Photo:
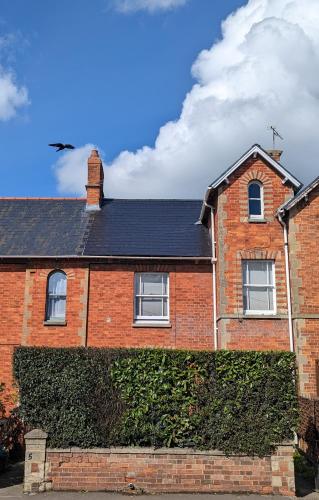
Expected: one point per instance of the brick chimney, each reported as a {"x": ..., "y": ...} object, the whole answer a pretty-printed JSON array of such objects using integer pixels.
[
  {"x": 94, "y": 187},
  {"x": 275, "y": 154}
]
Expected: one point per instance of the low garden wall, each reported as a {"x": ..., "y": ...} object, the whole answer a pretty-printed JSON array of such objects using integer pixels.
[{"x": 154, "y": 470}]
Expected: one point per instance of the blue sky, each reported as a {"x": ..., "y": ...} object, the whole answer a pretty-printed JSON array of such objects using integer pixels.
[
  {"x": 95, "y": 75},
  {"x": 169, "y": 97}
]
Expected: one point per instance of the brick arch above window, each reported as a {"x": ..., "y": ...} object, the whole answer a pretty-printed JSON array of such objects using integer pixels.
[
  {"x": 45, "y": 273},
  {"x": 267, "y": 192},
  {"x": 153, "y": 268},
  {"x": 258, "y": 253}
]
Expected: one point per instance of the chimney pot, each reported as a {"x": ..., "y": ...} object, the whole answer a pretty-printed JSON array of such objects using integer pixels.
[{"x": 94, "y": 187}]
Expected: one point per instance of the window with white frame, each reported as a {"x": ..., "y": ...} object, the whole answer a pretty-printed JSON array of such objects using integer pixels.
[
  {"x": 255, "y": 200},
  {"x": 259, "y": 291},
  {"x": 56, "y": 296},
  {"x": 151, "y": 297}
]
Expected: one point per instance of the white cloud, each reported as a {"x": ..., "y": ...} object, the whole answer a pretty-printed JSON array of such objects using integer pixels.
[
  {"x": 71, "y": 169},
  {"x": 127, "y": 6},
  {"x": 263, "y": 71},
  {"x": 12, "y": 96}
]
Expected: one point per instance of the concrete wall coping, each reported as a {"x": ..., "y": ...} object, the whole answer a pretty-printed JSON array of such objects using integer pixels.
[
  {"x": 150, "y": 451},
  {"x": 36, "y": 434}
]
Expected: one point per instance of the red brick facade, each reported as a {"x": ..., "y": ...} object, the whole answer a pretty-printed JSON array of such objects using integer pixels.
[
  {"x": 100, "y": 310},
  {"x": 304, "y": 269},
  {"x": 100, "y": 293},
  {"x": 238, "y": 239}
]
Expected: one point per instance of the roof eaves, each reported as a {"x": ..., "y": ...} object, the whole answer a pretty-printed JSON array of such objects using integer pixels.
[
  {"x": 128, "y": 257},
  {"x": 299, "y": 196}
]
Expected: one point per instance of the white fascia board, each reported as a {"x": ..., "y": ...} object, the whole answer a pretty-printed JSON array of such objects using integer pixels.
[
  {"x": 253, "y": 150},
  {"x": 267, "y": 157}
]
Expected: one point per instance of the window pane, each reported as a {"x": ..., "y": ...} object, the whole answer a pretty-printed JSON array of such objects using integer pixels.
[
  {"x": 137, "y": 306},
  {"x": 151, "y": 284},
  {"x": 271, "y": 299},
  {"x": 270, "y": 273},
  {"x": 137, "y": 283},
  {"x": 254, "y": 207},
  {"x": 57, "y": 284},
  {"x": 56, "y": 308},
  {"x": 165, "y": 283},
  {"x": 151, "y": 307},
  {"x": 254, "y": 190},
  {"x": 258, "y": 299},
  {"x": 246, "y": 299},
  {"x": 257, "y": 272},
  {"x": 165, "y": 308}
]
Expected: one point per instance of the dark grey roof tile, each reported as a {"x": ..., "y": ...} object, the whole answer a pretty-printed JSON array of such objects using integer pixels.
[{"x": 148, "y": 228}]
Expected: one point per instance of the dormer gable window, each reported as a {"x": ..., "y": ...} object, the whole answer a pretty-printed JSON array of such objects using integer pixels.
[{"x": 255, "y": 200}]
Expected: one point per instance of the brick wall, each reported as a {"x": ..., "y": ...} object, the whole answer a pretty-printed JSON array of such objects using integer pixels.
[
  {"x": 99, "y": 309},
  {"x": 304, "y": 269},
  {"x": 156, "y": 471},
  {"x": 111, "y": 311},
  {"x": 239, "y": 239},
  {"x": 12, "y": 284},
  {"x": 36, "y": 332}
]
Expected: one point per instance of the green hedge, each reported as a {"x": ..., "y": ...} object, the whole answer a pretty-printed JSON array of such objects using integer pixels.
[{"x": 231, "y": 400}]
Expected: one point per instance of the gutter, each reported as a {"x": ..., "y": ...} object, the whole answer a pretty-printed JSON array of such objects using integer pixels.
[
  {"x": 104, "y": 257},
  {"x": 213, "y": 261},
  {"x": 280, "y": 215}
]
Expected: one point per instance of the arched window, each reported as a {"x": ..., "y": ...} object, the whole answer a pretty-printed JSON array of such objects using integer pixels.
[
  {"x": 56, "y": 296},
  {"x": 255, "y": 200}
]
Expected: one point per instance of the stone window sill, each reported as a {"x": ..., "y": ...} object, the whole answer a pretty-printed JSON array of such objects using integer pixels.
[
  {"x": 260, "y": 316},
  {"x": 258, "y": 221},
  {"x": 152, "y": 324},
  {"x": 54, "y": 323}
]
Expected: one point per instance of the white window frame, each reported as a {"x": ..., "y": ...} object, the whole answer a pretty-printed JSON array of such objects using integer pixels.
[
  {"x": 247, "y": 285},
  {"x": 137, "y": 296},
  {"x": 261, "y": 199},
  {"x": 51, "y": 296}
]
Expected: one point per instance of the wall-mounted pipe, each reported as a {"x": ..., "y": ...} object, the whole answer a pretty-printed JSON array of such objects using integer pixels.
[
  {"x": 213, "y": 242},
  {"x": 286, "y": 251}
]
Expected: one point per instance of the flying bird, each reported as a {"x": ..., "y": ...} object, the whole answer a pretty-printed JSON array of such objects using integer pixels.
[{"x": 61, "y": 146}]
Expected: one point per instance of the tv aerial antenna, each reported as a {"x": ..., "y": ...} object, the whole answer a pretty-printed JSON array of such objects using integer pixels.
[{"x": 275, "y": 134}]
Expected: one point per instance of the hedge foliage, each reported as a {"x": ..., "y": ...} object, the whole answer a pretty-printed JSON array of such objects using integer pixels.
[{"x": 230, "y": 400}]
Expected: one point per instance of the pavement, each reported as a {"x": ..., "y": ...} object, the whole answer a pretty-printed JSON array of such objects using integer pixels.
[{"x": 11, "y": 488}]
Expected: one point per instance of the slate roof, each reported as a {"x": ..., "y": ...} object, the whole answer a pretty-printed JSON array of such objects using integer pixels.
[
  {"x": 35, "y": 227},
  {"x": 62, "y": 227},
  {"x": 149, "y": 228}
]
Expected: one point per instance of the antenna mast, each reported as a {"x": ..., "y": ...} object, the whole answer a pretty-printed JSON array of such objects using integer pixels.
[{"x": 275, "y": 134}]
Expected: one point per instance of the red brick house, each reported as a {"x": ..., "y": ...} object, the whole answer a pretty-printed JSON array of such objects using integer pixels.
[{"x": 189, "y": 274}]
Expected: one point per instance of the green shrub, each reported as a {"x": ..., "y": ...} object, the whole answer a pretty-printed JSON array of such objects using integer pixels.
[
  {"x": 11, "y": 432},
  {"x": 231, "y": 400}
]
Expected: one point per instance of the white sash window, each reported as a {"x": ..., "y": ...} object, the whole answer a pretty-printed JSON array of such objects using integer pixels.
[
  {"x": 151, "y": 297},
  {"x": 56, "y": 296},
  {"x": 259, "y": 292}
]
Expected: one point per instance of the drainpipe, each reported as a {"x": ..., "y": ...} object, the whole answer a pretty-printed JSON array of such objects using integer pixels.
[
  {"x": 212, "y": 228},
  {"x": 290, "y": 328}
]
